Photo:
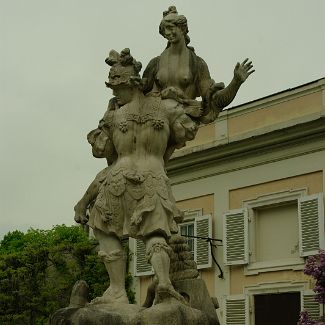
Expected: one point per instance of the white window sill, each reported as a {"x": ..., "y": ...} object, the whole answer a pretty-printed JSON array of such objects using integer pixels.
[{"x": 294, "y": 264}]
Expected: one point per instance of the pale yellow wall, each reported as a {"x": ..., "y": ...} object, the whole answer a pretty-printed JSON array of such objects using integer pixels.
[
  {"x": 207, "y": 203},
  {"x": 254, "y": 119},
  {"x": 312, "y": 181},
  {"x": 314, "y": 184},
  {"x": 144, "y": 284},
  {"x": 274, "y": 114},
  {"x": 205, "y": 134},
  {"x": 238, "y": 280}
]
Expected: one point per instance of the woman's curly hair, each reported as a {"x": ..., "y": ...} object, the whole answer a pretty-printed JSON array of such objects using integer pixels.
[{"x": 171, "y": 16}]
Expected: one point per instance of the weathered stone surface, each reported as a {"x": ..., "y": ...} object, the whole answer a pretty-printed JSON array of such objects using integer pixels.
[
  {"x": 79, "y": 294},
  {"x": 115, "y": 314},
  {"x": 198, "y": 297},
  {"x": 182, "y": 265},
  {"x": 171, "y": 313},
  {"x": 133, "y": 196}
]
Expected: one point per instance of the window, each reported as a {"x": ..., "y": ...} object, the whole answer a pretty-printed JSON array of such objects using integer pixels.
[
  {"x": 258, "y": 303},
  {"x": 236, "y": 310},
  {"x": 198, "y": 225},
  {"x": 286, "y": 305},
  {"x": 281, "y": 220},
  {"x": 274, "y": 231},
  {"x": 142, "y": 267},
  {"x": 187, "y": 230},
  {"x": 274, "y": 236}
]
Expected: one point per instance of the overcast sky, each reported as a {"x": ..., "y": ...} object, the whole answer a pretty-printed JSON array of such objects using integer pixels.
[{"x": 52, "y": 74}]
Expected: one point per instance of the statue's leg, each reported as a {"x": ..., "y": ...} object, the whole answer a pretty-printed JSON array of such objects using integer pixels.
[
  {"x": 158, "y": 256},
  {"x": 114, "y": 258}
]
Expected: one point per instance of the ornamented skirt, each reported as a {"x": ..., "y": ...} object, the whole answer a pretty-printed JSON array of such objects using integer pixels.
[{"x": 135, "y": 204}]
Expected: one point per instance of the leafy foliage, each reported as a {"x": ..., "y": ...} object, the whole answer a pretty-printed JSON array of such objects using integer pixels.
[
  {"x": 315, "y": 267},
  {"x": 39, "y": 268}
]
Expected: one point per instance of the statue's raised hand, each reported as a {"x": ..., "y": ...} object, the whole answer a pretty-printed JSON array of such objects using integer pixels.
[{"x": 243, "y": 70}]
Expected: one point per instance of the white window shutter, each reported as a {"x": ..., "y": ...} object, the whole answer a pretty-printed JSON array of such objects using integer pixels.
[
  {"x": 235, "y": 237},
  {"x": 203, "y": 228},
  {"x": 142, "y": 267},
  {"x": 309, "y": 304},
  {"x": 311, "y": 224},
  {"x": 236, "y": 310}
]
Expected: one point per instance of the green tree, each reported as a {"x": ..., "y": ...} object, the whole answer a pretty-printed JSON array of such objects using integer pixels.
[{"x": 39, "y": 268}]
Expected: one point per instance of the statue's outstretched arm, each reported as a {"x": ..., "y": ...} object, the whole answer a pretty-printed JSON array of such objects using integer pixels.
[{"x": 224, "y": 97}]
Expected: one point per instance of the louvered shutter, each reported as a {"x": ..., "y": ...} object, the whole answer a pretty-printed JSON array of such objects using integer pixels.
[
  {"x": 203, "y": 228},
  {"x": 236, "y": 310},
  {"x": 311, "y": 224},
  {"x": 309, "y": 304},
  {"x": 142, "y": 267},
  {"x": 235, "y": 237}
]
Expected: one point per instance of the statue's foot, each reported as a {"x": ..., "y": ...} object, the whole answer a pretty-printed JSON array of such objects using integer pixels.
[
  {"x": 166, "y": 293},
  {"x": 112, "y": 297}
]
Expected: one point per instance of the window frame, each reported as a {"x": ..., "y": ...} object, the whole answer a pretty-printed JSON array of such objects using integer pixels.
[
  {"x": 193, "y": 216},
  {"x": 190, "y": 216},
  {"x": 187, "y": 223},
  {"x": 274, "y": 287},
  {"x": 263, "y": 201}
]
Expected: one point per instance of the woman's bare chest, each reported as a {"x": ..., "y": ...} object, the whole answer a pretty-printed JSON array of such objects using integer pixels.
[{"x": 174, "y": 71}]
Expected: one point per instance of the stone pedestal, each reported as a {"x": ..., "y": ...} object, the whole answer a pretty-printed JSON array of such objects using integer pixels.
[
  {"x": 97, "y": 315},
  {"x": 196, "y": 292},
  {"x": 166, "y": 313},
  {"x": 199, "y": 310}
]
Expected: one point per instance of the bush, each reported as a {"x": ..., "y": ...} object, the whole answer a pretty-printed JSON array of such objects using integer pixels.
[
  {"x": 315, "y": 267},
  {"x": 39, "y": 268}
]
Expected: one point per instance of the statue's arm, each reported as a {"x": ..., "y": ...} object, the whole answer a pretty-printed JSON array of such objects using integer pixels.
[
  {"x": 205, "y": 82},
  {"x": 100, "y": 139},
  {"x": 97, "y": 139},
  {"x": 207, "y": 89},
  {"x": 224, "y": 97},
  {"x": 149, "y": 74},
  {"x": 88, "y": 197}
]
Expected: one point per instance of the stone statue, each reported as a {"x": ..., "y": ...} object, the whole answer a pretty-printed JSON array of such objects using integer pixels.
[
  {"x": 145, "y": 122},
  {"x": 135, "y": 199},
  {"x": 179, "y": 68},
  {"x": 179, "y": 74}
]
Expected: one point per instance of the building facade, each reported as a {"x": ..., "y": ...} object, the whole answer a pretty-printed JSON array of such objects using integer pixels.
[{"x": 254, "y": 179}]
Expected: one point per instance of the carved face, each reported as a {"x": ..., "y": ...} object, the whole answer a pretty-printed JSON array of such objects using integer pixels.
[
  {"x": 123, "y": 94},
  {"x": 119, "y": 74},
  {"x": 173, "y": 33}
]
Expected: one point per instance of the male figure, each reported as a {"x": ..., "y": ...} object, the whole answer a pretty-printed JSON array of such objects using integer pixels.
[{"x": 135, "y": 197}]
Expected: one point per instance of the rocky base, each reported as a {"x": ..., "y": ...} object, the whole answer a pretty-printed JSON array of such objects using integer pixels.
[
  {"x": 171, "y": 313},
  {"x": 196, "y": 308},
  {"x": 197, "y": 295}
]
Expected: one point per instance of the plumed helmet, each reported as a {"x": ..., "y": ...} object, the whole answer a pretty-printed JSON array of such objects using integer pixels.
[{"x": 124, "y": 68}]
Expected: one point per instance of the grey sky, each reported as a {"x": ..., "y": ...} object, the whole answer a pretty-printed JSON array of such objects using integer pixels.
[{"x": 52, "y": 74}]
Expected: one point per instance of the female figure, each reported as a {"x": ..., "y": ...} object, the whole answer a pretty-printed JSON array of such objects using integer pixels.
[
  {"x": 179, "y": 68},
  {"x": 135, "y": 198},
  {"x": 180, "y": 74}
]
